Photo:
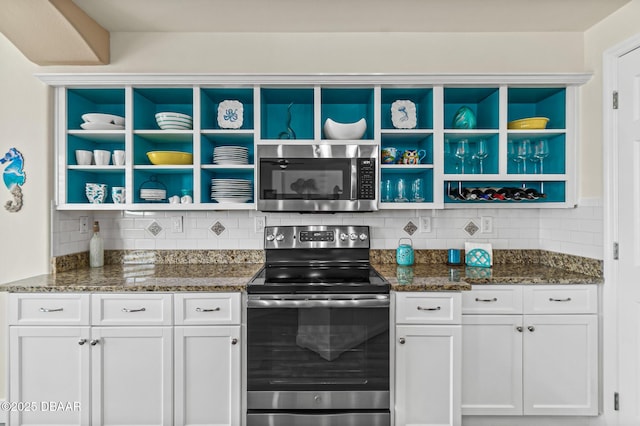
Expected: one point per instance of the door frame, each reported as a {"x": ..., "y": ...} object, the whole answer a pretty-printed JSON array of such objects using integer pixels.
[{"x": 610, "y": 373}]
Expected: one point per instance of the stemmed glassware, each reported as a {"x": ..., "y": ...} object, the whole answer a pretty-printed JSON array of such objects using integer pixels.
[
  {"x": 482, "y": 153},
  {"x": 523, "y": 152},
  {"x": 463, "y": 152},
  {"x": 541, "y": 151}
]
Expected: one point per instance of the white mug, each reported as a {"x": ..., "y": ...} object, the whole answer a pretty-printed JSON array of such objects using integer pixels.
[
  {"x": 101, "y": 157},
  {"x": 118, "y": 194},
  {"x": 118, "y": 157},
  {"x": 83, "y": 158},
  {"x": 174, "y": 200}
]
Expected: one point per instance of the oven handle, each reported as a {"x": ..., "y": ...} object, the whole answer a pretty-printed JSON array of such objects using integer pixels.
[{"x": 304, "y": 302}]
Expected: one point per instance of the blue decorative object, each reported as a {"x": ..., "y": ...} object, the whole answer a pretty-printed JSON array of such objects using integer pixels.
[
  {"x": 230, "y": 114},
  {"x": 14, "y": 177},
  {"x": 289, "y": 133},
  {"x": 404, "y": 253},
  {"x": 478, "y": 257},
  {"x": 464, "y": 119}
]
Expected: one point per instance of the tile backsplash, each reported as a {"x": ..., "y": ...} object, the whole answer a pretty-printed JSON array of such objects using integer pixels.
[{"x": 576, "y": 231}]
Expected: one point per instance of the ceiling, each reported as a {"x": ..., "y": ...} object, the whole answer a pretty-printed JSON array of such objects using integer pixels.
[{"x": 348, "y": 15}]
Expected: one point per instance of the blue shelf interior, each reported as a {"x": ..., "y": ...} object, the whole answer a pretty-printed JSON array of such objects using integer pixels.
[
  {"x": 142, "y": 145},
  {"x": 76, "y": 180},
  {"x": 421, "y": 97},
  {"x": 83, "y": 101},
  {"x": 554, "y": 163},
  {"x": 391, "y": 177},
  {"x": 348, "y": 105},
  {"x": 555, "y": 191},
  {"x": 207, "y": 175},
  {"x": 275, "y": 109},
  {"x": 452, "y": 164},
  {"x": 74, "y": 143},
  {"x": 538, "y": 102},
  {"x": 403, "y": 142},
  {"x": 210, "y": 98},
  {"x": 175, "y": 182},
  {"x": 209, "y": 141},
  {"x": 148, "y": 102},
  {"x": 483, "y": 101}
]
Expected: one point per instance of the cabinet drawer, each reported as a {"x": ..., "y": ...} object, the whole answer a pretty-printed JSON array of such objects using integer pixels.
[
  {"x": 434, "y": 308},
  {"x": 562, "y": 299},
  {"x": 207, "y": 309},
  {"x": 48, "y": 309},
  {"x": 492, "y": 300},
  {"x": 131, "y": 309}
]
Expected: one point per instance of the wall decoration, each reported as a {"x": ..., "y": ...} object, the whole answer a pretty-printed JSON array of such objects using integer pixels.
[
  {"x": 403, "y": 114},
  {"x": 230, "y": 114},
  {"x": 14, "y": 177}
]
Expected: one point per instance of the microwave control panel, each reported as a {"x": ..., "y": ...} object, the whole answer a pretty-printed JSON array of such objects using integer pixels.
[{"x": 366, "y": 178}]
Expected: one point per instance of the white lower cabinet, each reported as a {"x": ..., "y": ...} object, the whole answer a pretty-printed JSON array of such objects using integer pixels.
[
  {"x": 524, "y": 363},
  {"x": 428, "y": 359}
]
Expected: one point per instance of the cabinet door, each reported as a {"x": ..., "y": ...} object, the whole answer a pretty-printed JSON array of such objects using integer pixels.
[
  {"x": 561, "y": 364},
  {"x": 207, "y": 376},
  {"x": 492, "y": 364},
  {"x": 132, "y": 380},
  {"x": 49, "y": 364},
  {"x": 428, "y": 375}
]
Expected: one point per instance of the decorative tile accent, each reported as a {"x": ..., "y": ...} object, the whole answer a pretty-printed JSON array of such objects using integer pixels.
[
  {"x": 218, "y": 228},
  {"x": 410, "y": 228},
  {"x": 154, "y": 228},
  {"x": 471, "y": 228}
]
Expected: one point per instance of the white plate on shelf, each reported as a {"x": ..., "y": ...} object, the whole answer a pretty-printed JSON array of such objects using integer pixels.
[
  {"x": 95, "y": 117},
  {"x": 236, "y": 200},
  {"x": 101, "y": 126}
]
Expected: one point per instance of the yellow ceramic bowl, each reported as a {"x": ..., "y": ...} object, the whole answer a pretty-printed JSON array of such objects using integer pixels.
[
  {"x": 529, "y": 123},
  {"x": 170, "y": 157}
]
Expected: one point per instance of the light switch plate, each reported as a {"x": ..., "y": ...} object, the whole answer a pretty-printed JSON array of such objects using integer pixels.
[
  {"x": 84, "y": 224},
  {"x": 425, "y": 224},
  {"x": 486, "y": 225},
  {"x": 176, "y": 224},
  {"x": 260, "y": 222}
]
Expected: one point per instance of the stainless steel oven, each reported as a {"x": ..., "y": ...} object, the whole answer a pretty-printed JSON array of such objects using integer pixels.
[
  {"x": 318, "y": 331},
  {"x": 317, "y": 178}
]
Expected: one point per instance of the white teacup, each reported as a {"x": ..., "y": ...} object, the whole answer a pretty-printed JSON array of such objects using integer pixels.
[
  {"x": 174, "y": 200},
  {"x": 83, "y": 158},
  {"x": 101, "y": 157},
  {"x": 118, "y": 194},
  {"x": 118, "y": 157},
  {"x": 186, "y": 199}
]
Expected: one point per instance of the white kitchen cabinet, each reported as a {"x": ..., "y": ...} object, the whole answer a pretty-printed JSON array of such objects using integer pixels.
[
  {"x": 428, "y": 360},
  {"x": 526, "y": 362}
]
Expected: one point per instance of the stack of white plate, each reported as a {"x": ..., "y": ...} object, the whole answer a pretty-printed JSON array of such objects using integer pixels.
[
  {"x": 231, "y": 190},
  {"x": 153, "y": 194},
  {"x": 231, "y": 155},
  {"x": 98, "y": 121},
  {"x": 174, "y": 121}
]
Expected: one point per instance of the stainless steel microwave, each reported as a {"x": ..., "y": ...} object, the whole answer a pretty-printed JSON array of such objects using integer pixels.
[{"x": 317, "y": 178}]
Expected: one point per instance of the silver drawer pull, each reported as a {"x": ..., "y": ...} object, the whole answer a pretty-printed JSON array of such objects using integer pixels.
[
  {"x": 551, "y": 299},
  {"x": 420, "y": 308},
  {"x": 495, "y": 299},
  {"x": 207, "y": 310},
  {"x": 133, "y": 310},
  {"x": 51, "y": 310}
]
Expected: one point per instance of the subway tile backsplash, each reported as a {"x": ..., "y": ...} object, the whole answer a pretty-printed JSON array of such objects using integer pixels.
[{"x": 576, "y": 231}]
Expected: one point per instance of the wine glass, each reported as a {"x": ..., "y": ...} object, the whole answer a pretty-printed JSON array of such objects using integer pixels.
[
  {"x": 417, "y": 190},
  {"x": 541, "y": 152},
  {"x": 513, "y": 154},
  {"x": 462, "y": 152},
  {"x": 401, "y": 191},
  {"x": 482, "y": 153},
  {"x": 523, "y": 153},
  {"x": 448, "y": 155},
  {"x": 387, "y": 191}
]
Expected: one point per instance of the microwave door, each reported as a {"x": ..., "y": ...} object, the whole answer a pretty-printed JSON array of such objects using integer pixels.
[{"x": 306, "y": 179}]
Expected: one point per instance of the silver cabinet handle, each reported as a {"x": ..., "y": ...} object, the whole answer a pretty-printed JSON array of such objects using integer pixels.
[
  {"x": 234, "y": 341},
  {"x": 94, "y": 342},
  {"x": 420, "y": 308},
  {"x": 82, "y": 341},
  {"x": 207, "y": 310},
  {"x": 531, "y": 328},
  {"x": 551, "y": 299},
  {"x": 133, "y": 310},
  {"x": 495, "y": 299},
  {"x": 402, "y": 340},
  {"x": 51, "y": 310},
  {"x": 519, "y": 328}
]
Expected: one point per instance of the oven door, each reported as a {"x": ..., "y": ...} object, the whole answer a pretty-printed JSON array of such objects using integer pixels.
[
  {"x": 318, "y": 352},
  {"x": 317, "y": 177}
]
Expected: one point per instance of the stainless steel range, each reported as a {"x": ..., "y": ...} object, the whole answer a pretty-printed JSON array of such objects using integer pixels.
[{"x": 318, "y": 331}]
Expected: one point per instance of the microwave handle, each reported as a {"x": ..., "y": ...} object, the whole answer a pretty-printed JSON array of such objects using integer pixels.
[{"x": 354, "y": 179}]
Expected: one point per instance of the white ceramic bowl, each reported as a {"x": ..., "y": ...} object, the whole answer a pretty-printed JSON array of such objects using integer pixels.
[
  {"x": 101, "y": 157},
  {"x": 83, "y": 158},
  {"x": 95, "y": 117},
  {"x": 174, "y": 121},
  {"x": 344, "y": 131}
]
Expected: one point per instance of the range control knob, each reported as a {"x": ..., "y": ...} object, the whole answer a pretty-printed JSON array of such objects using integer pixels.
[
  {"x": 279, "y": 237},
  {"x": 343, "y": 236},
  {"x": 353, "y": 236},
  {"x": 271, "y": 237},
  {"x": 363, "y": 236}
]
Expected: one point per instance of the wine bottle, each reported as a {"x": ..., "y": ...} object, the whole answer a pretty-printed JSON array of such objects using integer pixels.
[
  {"x": 96, "y": 248},
  {"x": 534, "y": 194}
]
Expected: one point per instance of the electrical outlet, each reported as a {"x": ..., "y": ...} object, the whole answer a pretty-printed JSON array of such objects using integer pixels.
[
  {"x": 176, "y": 224},
  {"x": 425, "y": 224},
  {"x": 259, "y": 223},
  {"x": 84, "y": 224},
  {"x": 486, "y": 225}
]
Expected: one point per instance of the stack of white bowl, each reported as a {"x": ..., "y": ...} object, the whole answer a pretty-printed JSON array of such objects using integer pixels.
[
  {"x": 174, "y": 121},
  {"x": 99, "y": 121},
  {"x": 231, "y": 190},
  {"x": 152, "y": 194},
  {"x": 231, "y": 155}
]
